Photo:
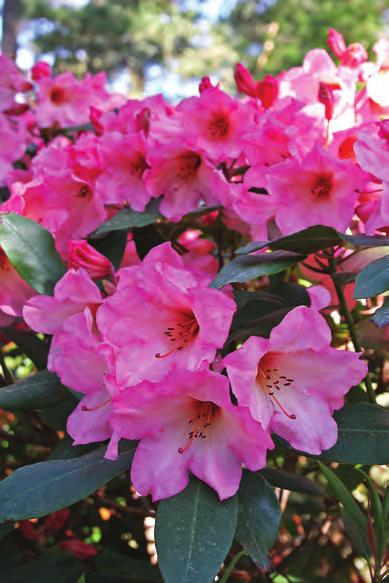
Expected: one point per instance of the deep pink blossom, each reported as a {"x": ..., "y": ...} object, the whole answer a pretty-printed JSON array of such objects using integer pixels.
[
  {"x": 319, "y": 190},
  {"x": 185, "y": 178},
  {"x": 294, "y": 381},
  {"x": 74, "y": 292},
  {"x": 188, "y": 424},
  {"x": 216, "y": 123},
  {"x": 162, "y": 314}
]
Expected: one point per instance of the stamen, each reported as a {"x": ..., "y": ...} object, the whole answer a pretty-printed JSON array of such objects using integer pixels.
[
  {"x": 180, "y": 335},
  {"x": 206, "y": 411},
  {"x": 269, "y": 384}
]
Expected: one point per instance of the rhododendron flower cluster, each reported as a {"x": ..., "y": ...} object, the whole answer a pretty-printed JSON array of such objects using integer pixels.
[{"x": 144, "y": 333}]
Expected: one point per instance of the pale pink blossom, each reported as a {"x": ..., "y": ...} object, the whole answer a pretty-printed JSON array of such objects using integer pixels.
[
  {"x": 188, "y": 424},
  {"x": 294, "y": 381}
]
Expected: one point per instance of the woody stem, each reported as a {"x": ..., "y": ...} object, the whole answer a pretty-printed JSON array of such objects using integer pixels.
[{"x": 351, "y": 327}]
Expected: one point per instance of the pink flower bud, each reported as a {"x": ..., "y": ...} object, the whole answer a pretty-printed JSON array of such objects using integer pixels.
[
  {"x": 336, "y": 43},
  {"x": 56, "y": 520},
  {"x": 205, "y": 84},
  {"x": 81, "y": 254},
  {"x": 354, "y": 56},
  {"x": 244, "y": 81},
  {"x": 268, "y": 91},
  {"x": 40, "y": 70}
]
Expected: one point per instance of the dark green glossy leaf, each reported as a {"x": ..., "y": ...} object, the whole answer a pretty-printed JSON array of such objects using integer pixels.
[
  {"x": 53, "y": 566},
  {"x": 112, "y": 246},
  {"x": 314, "y": 239},
  {"x": 259, "y": 517},
  {"x": 381, "y": 316},
  {"x": 30, "y": 249},
  {"x": 37, "y": 350},
  {"x": 193, "y": 534},
  {"x": 128, "y": 219},
  {"x": 116, "y": 565},
  {"x": 39, "y": 391},
  {"x": 292, "y": 482},
  {"x": 38, "y": 489},
  {"x": 244, "y": 268},
  {"x": 374, "y": 279},
  {"x": 363, "y": 436}
]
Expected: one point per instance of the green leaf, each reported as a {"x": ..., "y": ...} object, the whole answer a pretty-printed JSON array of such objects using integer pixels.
[
  {"x": 53, "y": 566},
  {"x": 37, "y": 350},
  {"x": 259, "y": 517},
  {"x": 355, "y": 522},
  {"x": 381, "y": 316},
  {"x": 39, "y": 391},
  {"x": 193, "y": 534},
  {"x": 248, "y": 267},
  {"x": 363, "y": 436},
  {"x": 38, "y": 489},
  {"x": 112, "y": 246},
  {"x": 30, "y": 248},
  {"x": 127, "y": 219},
  {"x": 314, "y": 239},
  {"x": 114, "y": 564},
  {"x": 292, "y": 482},
  {"x": 374, "y": 279}
]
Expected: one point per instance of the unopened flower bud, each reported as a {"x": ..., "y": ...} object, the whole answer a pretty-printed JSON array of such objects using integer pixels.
[
  {"x": 205, "y": 84},
  {"x": 268, "y": 91},
  {"x": 336, "y": 43},
  {"x": 40, "y": 70},
  {"x": 244, "y": 81},
  {"x": 78, "y": 548},
  {"x": 81, "y": 254}
]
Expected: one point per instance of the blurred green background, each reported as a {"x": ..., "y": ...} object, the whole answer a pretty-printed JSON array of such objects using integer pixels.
[{"x": 148, "y": 46}]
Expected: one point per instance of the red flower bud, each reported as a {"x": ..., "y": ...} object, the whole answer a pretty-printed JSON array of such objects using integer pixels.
[
  {"x": 28, "y": 530},
  {"x": 336, "y": 42},
  {"x": 244, "y": 81},
  {"x": 205, "y": 84},
  {"x": 267, "y": 91},
  {"x": 81, "y": 254},
  {"x": 56, "y": 520},
  {"x": 354, "y": 56},
  {"x": 40, "y": 70},
  {"x": 78, "y": 548},
  {"x": 326, "y": 96}
]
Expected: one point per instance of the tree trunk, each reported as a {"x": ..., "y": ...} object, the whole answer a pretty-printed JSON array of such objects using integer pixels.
[{"x": 10, "y": 27}]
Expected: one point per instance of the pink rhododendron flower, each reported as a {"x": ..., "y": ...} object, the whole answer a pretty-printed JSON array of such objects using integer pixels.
[
  {"x": 216, "y": 123},
  {"x": 123, "y": 160},
  {"x": 14, "y": 291},
  {"x": 65, "y": 101},
  {"x": 188, "y": 424},
  {"x": 11, "y": 83},
  {"x": 185, "y": 178},
  {"x": 184, "y": 324},
  {"x": 319, "y": 190},
  {"x": 294, "y": 381},
  {"x": 74, "y": 292},
  {"x": 12, "y": 145}
]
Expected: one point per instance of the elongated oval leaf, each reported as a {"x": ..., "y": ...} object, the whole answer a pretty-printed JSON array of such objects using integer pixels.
[
  {"x": 363, "y": 436},
  {"x": 39, "y": 391},
  {"x": 248, "y": 267},
  {"x": 381, "y": 316},
  {"x": 374, "y": 279},
  {"x": 30, "y": 248},
  {"x": 38, "y": 489},
  {"x": 259, "y": 517},
  {"x": 354, "y": 519},
  {"x": 127, "y": 219},
  {"x": 194, "y": 532},
  {"x": 292, "y": 482}
]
